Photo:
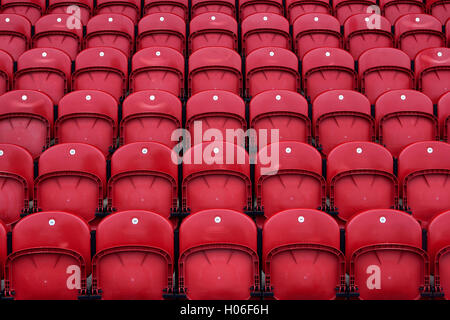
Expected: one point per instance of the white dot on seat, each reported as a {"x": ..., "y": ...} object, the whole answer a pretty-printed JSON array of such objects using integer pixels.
[
  {"x": 213, "y": 18},
  {"x": 44, "y": 54},
  {"x": 58, "y": 20},
  {"x": 161, "y": 19},
  {"x": 271, "y": 53},
  {"x": 358, "y": 150},
  {"x": 265, "y": 18},
  {"x": 51, "y": 222},
  {"x": 1, "y": 153},
  {"x": 316, "y": 19},
  {"x": 158, "y": 53},
  {"x": 430, "y": 150},
  {"x": 301, "y": 219},
  {"x": 72, "y": 152},
  {"x": 144, "y": 150},
  {"x": 7, "y": 20},
  {"x": 278, "y": 97},
  {"x": 216, "y": 150},
  {"x": 341, "y": 97},
  {"x": 88, "y": 97},
  {"x": 417, "y": 19},
  {"x": 152, "y": 97},
  {"x": 382, "y": 219},
  {"x": 217, "y": 219},
  {"x": 403, "y": 97},
  {"x": 134, "y": 221},
  {"x": 327, "y": 54},
  {"x": 101, "y": 54},
  {"x": 24, "y": 97},
  {"x": 215, "y": 98},
  {"x": 366, "y": 19},
  {"x": 439, "y": 54},
  {"x": 288, "y": 150},
  {"x": 110, "y": 19}
]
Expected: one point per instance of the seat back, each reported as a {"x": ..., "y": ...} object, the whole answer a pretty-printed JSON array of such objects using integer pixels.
[
  {"x": 218, "y": 258},
  {"x": 110, "y": 30},
  {"x": 44, "y": 69},
  {"x": 392, "y": 10},
  {"x": 346, "y": 8},
  {"x": 52, "y": 266},
  {"x": 82, "y": 9},
  {"x": 88, "y": 116},
  {"x": 301, "y": 255},
  {"x": 423, "y": 170},
  {"x": 206, "y": 6},
  {"x": 32, "y": 10},
  {"x": 150, "y": 115},
  {"x": 360, "y": 177},
  {"x": 249, "y": 7},
  {"x": 6, "y": 71},
  {"x": 404, "y": 117},
  {"x": 129, "y": 8},
  {"x": 15, "y": 34},
  {"x": 297, "y": 8},
  {"x": 143, "y": 177},
  {"x": 178, "y": 7},
  {"x": 136, "y": 246},
  {"x": 94, "y": 65},
  {"x": 443, "y": 109},
  {"x": 315, "y": 30},
  {"x": 438, "y": 9},
  {"x": 26, "y": 120},
  {"x": 341, "y": 116}
]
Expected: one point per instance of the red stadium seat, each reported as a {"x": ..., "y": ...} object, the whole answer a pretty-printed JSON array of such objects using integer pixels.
[
  {"x": 360, "y": 177},
  {"x": 51, "y": 31},
  {"x": 301, "y": 256},
  {"x": 81, "y": 10},
  {"x": 443, "y": 109},
  {"x": 32, "y": 10},
  {"x": 3, "y": 250},
  {"x": 415, "y": 32},
  {"x": 361, "y": 35},
  {"x": 271, "y": 68},
  {"x": 129, "y": 8},
  {"x": 249, "y": 7},
  {"x": 134, "y": 258},
  {"x": 207, "y": 6},
  {"x": 281, "y": 110},
  {"x": 213, "y": 30},
  {"x": 162, "y": 29},
  {"x": 383, "y": 248},
  {"x": 341, "y": 116},
  {"x": 423, "y": 171},
  {"x": 216, "y": 175},
  {"x": 265, "y": 30},
  {"x": 178, "y": 7},
  {"x": 297, "y": 8},
  {"x": 72, "y": 177},
  {"x": 384, "y": 69},
  {"x": 111, "y": 30},
  {"x": 438, "y": 249},
  {"x": 218, "y": 256},
  {"x": 346, "y": 8},
  {"x": 392, "y": 9},
  {"x": 404, "y": 117},
  {"x": 150, "y": 115},
  {"x": 143, "y": 177},
  {"x": 15, "y": 34},
  {"x": 439, "y": 9},
  {"x": 432, "y": 67},
  {"x": 158, "y": 68},
  {"x": 101, "y": 68},
  {"x": 218, "y": 112},
  {"x": 16, "y": 177},
  {"x": 6, "y": 71},
  {"x": 326, "y": 69},
  {"x": 215, "y": 68},
  {"x": 88, "y": 116},
  {"x": 315, "y": 30},
  {"x": 53, "y": 265},
  {"x": 293, "y": 181},
  {"x": 26, "y": 120},
  {"x": 44, "y": 69}
]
